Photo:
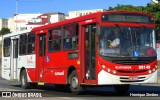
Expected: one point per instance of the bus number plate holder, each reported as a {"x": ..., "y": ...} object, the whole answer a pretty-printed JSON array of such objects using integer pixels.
[{"x": 133, "y": 78}]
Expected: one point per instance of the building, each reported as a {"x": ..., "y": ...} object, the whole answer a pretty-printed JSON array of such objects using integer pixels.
[
  {"x": 11, "y": 25},
  {"x": 3, "y": 23},
  {"x": 155, "y": 1},
  {"x": 21, "y": 22},
  {"x": 73, "y": 14},
  {"x": 56, "y": 17}
]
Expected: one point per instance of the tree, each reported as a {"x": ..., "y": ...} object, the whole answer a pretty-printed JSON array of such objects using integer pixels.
[
  {"x": 4, "y": 31},
  {"x": 128, "y": 8},
  {"x": 155, "y": 10}
]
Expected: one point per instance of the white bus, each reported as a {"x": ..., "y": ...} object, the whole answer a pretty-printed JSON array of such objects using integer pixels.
[{"x": 14, "y": 58}]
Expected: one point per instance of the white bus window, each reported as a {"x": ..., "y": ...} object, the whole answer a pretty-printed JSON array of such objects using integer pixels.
[
  {"x": 23, "y": 44},
  {"x": 31, "y": 43},
  {"x": 6, "y": 47}
]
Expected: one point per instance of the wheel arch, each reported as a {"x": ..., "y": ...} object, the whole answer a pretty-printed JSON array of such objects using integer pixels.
[
  {"x": 28, "y": 78},
  {"x": 70, "y": 70},
  {"x": 23, "y": 68}
]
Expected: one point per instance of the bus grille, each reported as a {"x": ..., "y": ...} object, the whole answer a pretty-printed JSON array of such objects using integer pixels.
[
  {"x": 131, "y": 62},
  {"x": 126, "y": 79},
  {"x": 129, "y": 71}
]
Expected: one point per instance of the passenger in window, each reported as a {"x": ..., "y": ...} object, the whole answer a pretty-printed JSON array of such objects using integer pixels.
[
  {"x": 87, "y": 46},
  {"x": 74, "y": 45},
  {"x": 51, "y": 46},
  {"x": 54, "y": 46},
  {"x": 33, "y": 50},
  {"x": 55, "y": 34},
  {"x": 86, "y": 55},
  {"x": 67, "y": 44},
  {"x": 105, "y": 40},
  {"x": 67, "y": 34}
]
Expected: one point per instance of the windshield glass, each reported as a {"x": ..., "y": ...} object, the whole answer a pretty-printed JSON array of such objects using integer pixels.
[{"x": 126, "y": 41}]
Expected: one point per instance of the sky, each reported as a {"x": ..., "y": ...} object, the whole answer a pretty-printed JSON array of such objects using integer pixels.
[{"x": 8, "y": 7}]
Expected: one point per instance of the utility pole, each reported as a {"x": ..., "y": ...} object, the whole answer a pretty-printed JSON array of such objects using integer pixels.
[{"x": 16, "y": 13}]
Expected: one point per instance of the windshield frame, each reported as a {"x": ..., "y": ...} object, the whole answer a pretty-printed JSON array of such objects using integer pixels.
[{"x": 152, "y": 41}]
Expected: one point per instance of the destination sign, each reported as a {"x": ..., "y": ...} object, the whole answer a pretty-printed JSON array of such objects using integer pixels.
[{"x": 126, "y": 18}]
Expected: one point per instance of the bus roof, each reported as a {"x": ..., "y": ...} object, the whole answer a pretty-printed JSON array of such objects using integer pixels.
[
  {"x": 16, "y": 33},
  {"x": 86, "y": 17}
]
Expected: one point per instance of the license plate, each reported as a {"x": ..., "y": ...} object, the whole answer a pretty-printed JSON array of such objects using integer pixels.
[{"x": 133, "y": 78}]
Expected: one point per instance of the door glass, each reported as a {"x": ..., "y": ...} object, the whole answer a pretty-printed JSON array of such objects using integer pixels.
[
  {"x": 90, "y": 31},
  {"x": 15, "y": 48},
  {"x": 42, "y": 46}
]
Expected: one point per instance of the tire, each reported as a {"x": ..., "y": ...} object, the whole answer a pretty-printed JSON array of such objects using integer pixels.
[
  {"x": 121, "y": 89},
  {"x": 74, "y": 86},
  {"x": 24, "y": 82}
]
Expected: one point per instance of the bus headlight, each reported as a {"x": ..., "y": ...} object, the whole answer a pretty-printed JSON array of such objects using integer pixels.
[
  {"x": 153, "y": 69},
  {"x": 114, "y": 72},
  {"x": 149, "y": 71},
  {"x": 108, "y": 69},
  {"x": 103, "y": 66},
  {"x": 156, "y": 66}
]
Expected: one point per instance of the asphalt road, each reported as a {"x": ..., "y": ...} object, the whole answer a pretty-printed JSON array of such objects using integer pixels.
[{"x": 50, "y": 92}]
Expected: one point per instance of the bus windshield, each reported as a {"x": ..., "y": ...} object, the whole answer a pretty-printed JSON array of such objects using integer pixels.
[{"x": 119, "y": 41}]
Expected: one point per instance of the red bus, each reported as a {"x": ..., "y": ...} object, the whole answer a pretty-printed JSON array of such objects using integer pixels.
[{"x": 105, "y": 48}]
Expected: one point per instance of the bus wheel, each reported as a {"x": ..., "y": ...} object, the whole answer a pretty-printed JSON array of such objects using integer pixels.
[
  {"x": 24, "y": 83},
  {"x": 121, "y": 89},
  {"x": 74, "y": 86}
]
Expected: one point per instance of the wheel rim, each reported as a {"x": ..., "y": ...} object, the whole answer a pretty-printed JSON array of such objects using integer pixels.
[
  {"x": 23, "y": 80},
  {"x": 74, "y": 82}
]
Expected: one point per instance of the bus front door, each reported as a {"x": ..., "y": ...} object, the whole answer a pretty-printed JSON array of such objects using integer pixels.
[
  {"x": 89, "y": 52},
  {"x": 41, "y": 57}
]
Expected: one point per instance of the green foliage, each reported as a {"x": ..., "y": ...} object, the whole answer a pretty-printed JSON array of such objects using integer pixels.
[
  {"x": 127, "y": 7},
  {"x": 155, "y": 10},
  {"x": 4, "y": 31}
]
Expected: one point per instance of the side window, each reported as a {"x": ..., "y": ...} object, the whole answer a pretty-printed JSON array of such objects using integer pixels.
[
  {"x": 70, "y": 37},
  {"x": 23, "y": 44},
  {"x": 31, "y": 43},
  {"x": 6, "y": 47},
  {"x": 55, "y": 39}
]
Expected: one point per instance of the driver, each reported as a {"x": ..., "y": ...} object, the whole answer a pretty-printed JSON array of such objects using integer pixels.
[{"x": 116, "y": 41}]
